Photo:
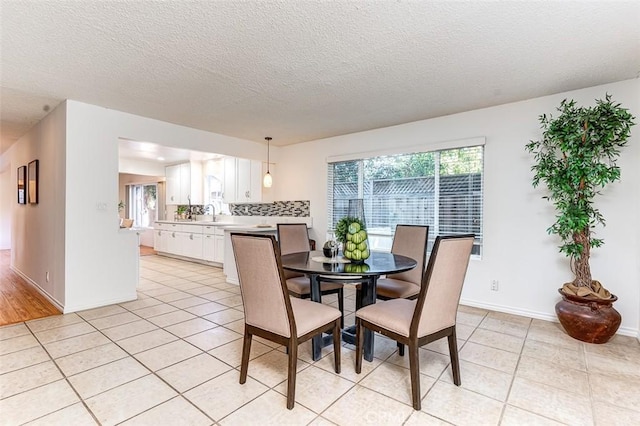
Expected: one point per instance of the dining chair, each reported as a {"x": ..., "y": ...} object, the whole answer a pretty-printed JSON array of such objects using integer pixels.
[
  {"x": 270, "y": 312},
  {"x": 430, "y": 317},
  {"x": 410, "y": 241},
  {"x": 294, "y": 238}
]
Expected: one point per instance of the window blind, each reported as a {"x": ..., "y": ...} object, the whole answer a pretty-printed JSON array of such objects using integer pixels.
[{"x": 441, "y": 189}]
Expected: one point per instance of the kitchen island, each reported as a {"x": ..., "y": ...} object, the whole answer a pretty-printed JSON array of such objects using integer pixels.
[{"x": 209, "y": 242}]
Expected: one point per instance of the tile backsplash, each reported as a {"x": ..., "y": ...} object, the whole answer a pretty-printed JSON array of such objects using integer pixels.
[{"x": 276, "y": 208}]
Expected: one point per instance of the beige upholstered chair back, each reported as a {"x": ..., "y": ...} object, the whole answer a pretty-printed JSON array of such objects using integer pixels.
[
  {"x": 293, "y": 238},
  {"x": 264, "y": 295},
  {"x": 442, "y": 284},
  {"x": 411, "y": 241}
]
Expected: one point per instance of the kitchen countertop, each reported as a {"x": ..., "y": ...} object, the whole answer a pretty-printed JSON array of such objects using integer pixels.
[
  {"x": 196, "y": 222},
  {"x": 249, "y": 228},
  {"x": 230, "y": 226},
  {"x": 234, "y": 226}
]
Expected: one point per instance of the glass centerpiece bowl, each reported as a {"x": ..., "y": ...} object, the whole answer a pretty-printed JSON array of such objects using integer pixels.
[{"x": 351, "y": 230}]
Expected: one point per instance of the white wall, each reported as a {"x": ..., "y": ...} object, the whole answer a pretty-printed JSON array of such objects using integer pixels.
[
  {"x": 37, "y": 230},
  {"x": 517, "y": 250},
  {"x": 91, "y": 262},
  {"x": 105, "y": 257}
]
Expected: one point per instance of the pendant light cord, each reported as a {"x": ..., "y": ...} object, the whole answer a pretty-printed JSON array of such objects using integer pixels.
[{"x": 268, "y": 139}]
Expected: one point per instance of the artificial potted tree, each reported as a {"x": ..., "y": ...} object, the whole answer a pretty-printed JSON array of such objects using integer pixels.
[{"x": 575, "y": 159}]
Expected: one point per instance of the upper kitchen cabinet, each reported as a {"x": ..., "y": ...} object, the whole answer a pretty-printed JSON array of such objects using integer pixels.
[
  {"x": 184, "y": 183},
  {"x": 242, "y": 180}
]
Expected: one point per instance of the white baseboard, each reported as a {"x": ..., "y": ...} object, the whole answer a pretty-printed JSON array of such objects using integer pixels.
[
  {"x": 129, "y": 298},
  {"x": 624, "y": 331},
  {"x": 39, "y": 289},
  {"x": 68, "y": 309}
]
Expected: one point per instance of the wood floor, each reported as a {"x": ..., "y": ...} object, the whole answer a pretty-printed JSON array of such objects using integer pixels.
[
  {"x": 146, "y": 251},
  {"x": 21, "y": 302},
  {"x": 18, "y": 300}
]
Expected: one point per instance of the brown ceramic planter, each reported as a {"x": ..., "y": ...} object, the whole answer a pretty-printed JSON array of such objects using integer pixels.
[{"x": 589, "y": 320}]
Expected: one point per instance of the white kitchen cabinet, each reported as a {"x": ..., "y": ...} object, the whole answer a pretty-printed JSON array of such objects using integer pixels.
[
  {"x": 229, "y": 187},
  {"x": 209, "y": 248},
  {"x": 192, "y": 240},
  {"x": 172, "y": 189},
  {"x": 193, "y": 245},
  {"x": 219, "y": 241},
  {"x": 174, "y": 241},
  {"x": 187, "y": 244},
  {"x": 160, "y": 240},
  {"x": 184, "y": 183},
  {"x": 242, "y": 180},
  {"x": 213, "y": 243}
]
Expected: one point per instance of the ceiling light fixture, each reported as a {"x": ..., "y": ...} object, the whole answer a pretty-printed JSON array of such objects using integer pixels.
[{"x": 267, "y": 180}]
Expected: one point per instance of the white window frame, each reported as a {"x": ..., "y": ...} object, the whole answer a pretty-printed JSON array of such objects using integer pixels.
[{"x": 383, "y": 241}]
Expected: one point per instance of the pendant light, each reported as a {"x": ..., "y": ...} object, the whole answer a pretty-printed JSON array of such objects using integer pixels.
[{"x": 267, "y": 180}]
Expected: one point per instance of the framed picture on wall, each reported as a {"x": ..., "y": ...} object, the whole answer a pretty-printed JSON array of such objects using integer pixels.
[
  {"x": 22, "y": 184},
  {"x": 33, "y": 182}
]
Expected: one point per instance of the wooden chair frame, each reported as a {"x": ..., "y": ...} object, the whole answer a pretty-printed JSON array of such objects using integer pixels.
[
  {"x": 412, "y": 341},
  {"x": 290, "y": 343},
  {"x": 424, "y": 258},
  {"x": 338, "y": 291}
]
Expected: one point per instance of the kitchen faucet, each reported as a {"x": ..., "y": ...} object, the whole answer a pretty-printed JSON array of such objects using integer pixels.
[
  {"x": 213, "y": 210},
  {"x": 189, "y": 211}
]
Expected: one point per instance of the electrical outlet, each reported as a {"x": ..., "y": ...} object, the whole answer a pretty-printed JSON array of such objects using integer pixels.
[
  {"x": 47, "y": 276},
  {"x": 494, "y": 285}
]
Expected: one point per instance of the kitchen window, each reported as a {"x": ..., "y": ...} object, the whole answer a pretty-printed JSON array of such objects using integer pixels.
[{"x": 441, "y": 189}]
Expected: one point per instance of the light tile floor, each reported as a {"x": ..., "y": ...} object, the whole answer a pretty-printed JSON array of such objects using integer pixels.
[{"x": 172, "y": 358}]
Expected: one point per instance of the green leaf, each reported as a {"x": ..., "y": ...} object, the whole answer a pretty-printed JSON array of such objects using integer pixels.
[{"x": 575, "y": 158}]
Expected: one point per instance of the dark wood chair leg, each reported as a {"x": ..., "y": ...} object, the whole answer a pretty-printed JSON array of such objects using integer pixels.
[
  {"x": 400, "y": 349},
  {"x": 336, "y": 345},
  {"x": 246, "y": 350},
  {"x": 414, "y": 370},
  {"x": 453, "y": 353},
  {"x": 291, "y": 373},
  {"x": 341, "y": 306},
  {"x": 359, "y": 345},
  {"x": 299, "y": 296}
]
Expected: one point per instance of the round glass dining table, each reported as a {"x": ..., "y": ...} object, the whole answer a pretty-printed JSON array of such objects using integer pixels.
[{"x": 321, "y": 269}]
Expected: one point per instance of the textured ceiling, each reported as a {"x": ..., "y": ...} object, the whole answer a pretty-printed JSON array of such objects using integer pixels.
[{"x": 303, "y": 70}]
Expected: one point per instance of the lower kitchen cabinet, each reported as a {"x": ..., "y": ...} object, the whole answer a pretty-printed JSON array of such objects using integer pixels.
[
  {"x": 209, "y": 248},
  {"x": 213, "y": 243},
  {"x": 193, "y": 245},
  {"x": 174, "y": 242},
  {"x": 197, "y": 242},
  {"x": 219, "y": 252},
  {"x": 160, "y": 237}
]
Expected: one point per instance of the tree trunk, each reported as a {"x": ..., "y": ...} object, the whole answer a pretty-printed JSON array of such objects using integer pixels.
[{"x": 581, "y": 267}]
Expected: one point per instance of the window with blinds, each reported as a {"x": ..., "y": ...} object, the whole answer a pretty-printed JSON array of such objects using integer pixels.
[{"x": 442, "y": 189}]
